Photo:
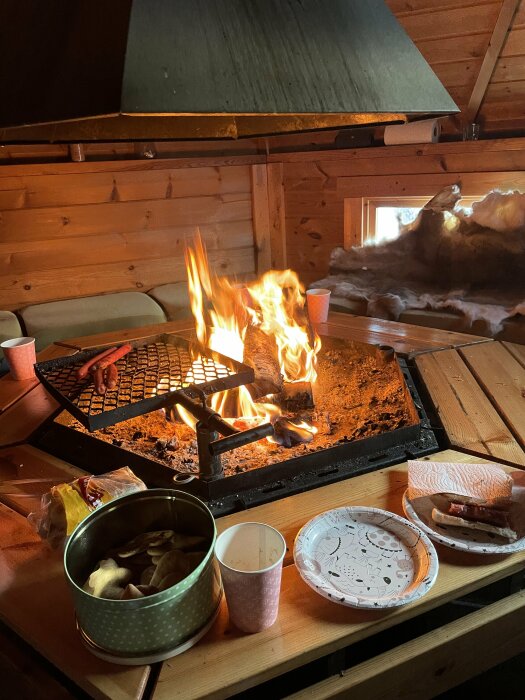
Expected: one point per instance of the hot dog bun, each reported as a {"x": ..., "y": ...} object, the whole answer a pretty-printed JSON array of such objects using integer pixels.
[{"x": 445, "y": 519}]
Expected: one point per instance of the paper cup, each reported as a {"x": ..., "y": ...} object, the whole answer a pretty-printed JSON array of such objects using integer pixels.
[
  {"x": 21, "y": 357},
  {"x": 251, "y": 557},
  {"x": 318, "y": 301}
]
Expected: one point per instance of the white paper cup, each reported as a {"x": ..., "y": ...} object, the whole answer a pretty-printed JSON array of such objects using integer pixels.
[
  {"x": 318, "y": 302},
  {"x": 251, "y": 557},
  {"x": 21, "y": 357}
]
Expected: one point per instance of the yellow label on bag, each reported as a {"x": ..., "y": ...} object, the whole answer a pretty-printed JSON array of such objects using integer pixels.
[
  {"x": 79, "y": 499},
  {"x": 75, "y": 507}
]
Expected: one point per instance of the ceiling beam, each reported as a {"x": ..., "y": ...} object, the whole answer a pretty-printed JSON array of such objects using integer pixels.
[{"x": 501, "y": 28}]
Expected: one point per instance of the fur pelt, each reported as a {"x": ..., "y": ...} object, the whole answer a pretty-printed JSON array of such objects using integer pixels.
[{"x": 472, "y": 264}]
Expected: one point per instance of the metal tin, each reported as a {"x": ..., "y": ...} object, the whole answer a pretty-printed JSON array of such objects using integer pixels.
[
  {"x": 152, "y": 657},
  {"x": 156, "y": 624}
]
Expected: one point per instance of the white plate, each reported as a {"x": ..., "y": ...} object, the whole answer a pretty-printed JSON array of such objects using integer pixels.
[
  {"x": 365, "y": 558},
  {"x": 419, "y": 511}
]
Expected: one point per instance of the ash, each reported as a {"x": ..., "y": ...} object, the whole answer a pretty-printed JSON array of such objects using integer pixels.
[{"x": 357, "y": 395}]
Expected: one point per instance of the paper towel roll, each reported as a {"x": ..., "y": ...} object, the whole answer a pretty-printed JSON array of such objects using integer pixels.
[{"x": 426, "y": 131}]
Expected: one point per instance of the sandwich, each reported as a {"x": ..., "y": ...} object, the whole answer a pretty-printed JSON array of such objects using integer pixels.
[
  {"x": 470, "y": 496},
  {"x": 475, "y": 516}
]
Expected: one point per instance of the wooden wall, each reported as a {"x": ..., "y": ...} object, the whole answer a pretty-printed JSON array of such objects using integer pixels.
[
  {"x": 76, "y": 229},
  {"x": 316, "y": 185}
]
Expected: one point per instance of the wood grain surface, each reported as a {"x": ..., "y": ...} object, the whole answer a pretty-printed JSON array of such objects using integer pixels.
[
  {"x": 19, "y": 421},
  {"x": 517, "y": 351},
  {"x": 114, "y": 226},
  {"x": 470, "y": 420},
  {"x": 11, "y": 390},
  {"x": 36, "y": 603},
  {"x": 406, "y": 339},
  {"x": 183, "y": 327},
  {"x": 27, "y": 473},
  {"x": 503, "y": 379},
  {"x": 310, "y": 626},
  {"x": 434, "y": 662}
]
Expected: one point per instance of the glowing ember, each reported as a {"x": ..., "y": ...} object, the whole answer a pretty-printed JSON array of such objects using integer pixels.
[{"x": 222, "y": 315}]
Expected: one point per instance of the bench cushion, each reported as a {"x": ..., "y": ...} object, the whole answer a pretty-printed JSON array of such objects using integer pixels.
[
  {"x": 9, "y": 328},
  {"x": 174, "y": 299},
  {"x": 59, "y": 320}
]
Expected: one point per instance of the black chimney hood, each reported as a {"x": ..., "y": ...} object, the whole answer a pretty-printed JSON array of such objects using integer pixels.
[{"x": 82, "y": 70}]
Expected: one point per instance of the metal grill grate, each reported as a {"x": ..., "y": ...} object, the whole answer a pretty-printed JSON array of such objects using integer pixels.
[{"x": 148, "y": 375}]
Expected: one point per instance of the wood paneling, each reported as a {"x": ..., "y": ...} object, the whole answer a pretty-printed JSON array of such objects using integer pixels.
[
  {"x": 443, "y": 19},
  {"x": 120, "y": 186},
  {"x": 77, "y": 229},
  {"x": 261, "y": 218},
  {"x": 318, "y": 187},
  {"x": 276, "y": 205},
  {"x": 455, "y": 37}
]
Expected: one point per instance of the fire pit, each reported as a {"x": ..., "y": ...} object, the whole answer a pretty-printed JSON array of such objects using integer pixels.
[{"x": 294, "y": 411}]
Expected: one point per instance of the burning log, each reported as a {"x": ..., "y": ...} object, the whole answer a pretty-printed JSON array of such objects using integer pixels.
[
  {"x": 260, "y": 352},
  {"x": 287, "y": 434},
  {"x": 297, "y": 396}
]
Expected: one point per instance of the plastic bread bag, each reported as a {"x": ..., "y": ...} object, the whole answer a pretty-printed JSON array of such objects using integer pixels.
[{"x": 66, "y": 505}]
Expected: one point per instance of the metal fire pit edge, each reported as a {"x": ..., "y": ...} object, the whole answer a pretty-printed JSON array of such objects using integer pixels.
[{"x": 247, "y": 489}]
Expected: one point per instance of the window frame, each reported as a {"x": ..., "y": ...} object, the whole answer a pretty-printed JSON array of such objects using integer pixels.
[{"x": 360, "y": 214}]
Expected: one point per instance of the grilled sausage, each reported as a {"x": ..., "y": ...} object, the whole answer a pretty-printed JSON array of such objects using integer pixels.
[
  {"x": 83, "y": 371},
  {"x": 112, "y": 357}
]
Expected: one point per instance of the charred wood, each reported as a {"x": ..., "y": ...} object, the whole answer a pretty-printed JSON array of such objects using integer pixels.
[
  {"x": 260, "y": 352},
  {"x": 287, "y": 434},
  {"x": 296, "y": 396}
]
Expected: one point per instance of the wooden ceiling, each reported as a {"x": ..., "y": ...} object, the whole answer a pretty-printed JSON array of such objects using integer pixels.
[{"x": 477, "y": 49}]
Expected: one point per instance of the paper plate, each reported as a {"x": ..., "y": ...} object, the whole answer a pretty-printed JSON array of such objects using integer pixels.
[
  {"x": 419, "y": 511},
  {"x": 365, "y": 558}
]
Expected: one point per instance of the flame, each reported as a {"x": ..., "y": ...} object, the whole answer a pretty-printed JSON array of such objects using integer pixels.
[
  {"x": 222, "y": 313},
  {"x": 280, "y": 299}
]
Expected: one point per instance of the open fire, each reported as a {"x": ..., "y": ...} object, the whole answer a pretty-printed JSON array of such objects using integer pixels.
[
  {"x": 363, "y": 416},
  {"x": 263, "y": 324}
]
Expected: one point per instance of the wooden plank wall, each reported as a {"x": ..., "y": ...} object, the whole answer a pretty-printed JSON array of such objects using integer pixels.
[
  {"x": 76, "y": 229},
  {"x": 316, "y": 185}
]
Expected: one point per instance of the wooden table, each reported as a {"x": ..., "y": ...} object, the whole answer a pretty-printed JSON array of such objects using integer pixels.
[
  {"x": 478, "y": 392},
  {"x": 35, "y": 603}
]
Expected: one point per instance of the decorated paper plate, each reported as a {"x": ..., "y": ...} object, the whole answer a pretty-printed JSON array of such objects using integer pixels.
[
  {"x": 365, "y": 558},
  {"x": 419, "y": 511}
]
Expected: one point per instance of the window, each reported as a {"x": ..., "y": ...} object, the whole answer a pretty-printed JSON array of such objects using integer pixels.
[{"x": 384, "y": 217}]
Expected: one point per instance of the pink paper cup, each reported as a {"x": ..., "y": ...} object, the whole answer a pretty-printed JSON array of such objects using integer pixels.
[
  {"x": 318, "y": 302},
  {"x": 20, "y": 356},
  {"x": 250, "y": 557}
]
